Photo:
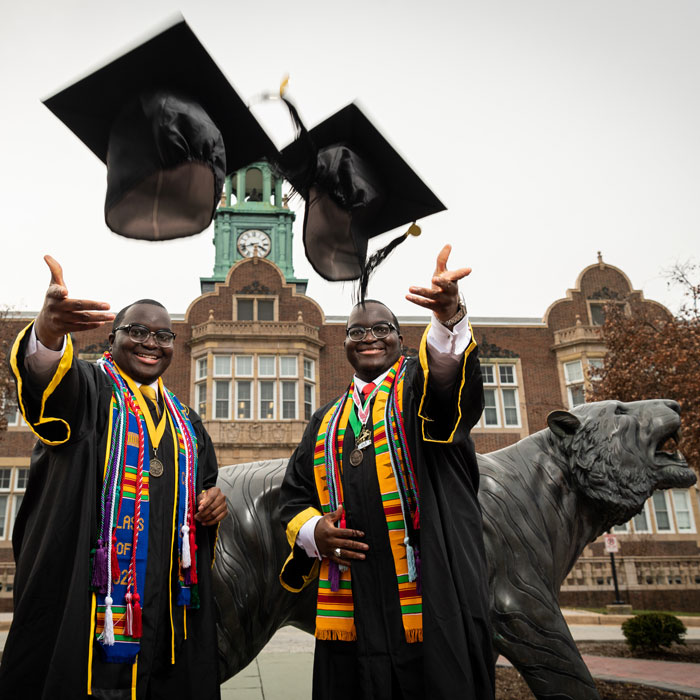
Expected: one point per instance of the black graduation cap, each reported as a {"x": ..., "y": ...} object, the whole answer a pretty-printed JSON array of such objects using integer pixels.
[
  {"x": 170, "y": 127},
  {"x": 356, "y": 186}
]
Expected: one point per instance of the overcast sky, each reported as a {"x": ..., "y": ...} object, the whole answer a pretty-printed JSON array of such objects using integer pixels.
[{"x": 551, "y": 129}]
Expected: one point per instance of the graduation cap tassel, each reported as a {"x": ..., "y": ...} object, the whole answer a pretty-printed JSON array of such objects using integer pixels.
[
  {"x": 99, "y": 568},
  {"x": 137, "y": 627},
  {"x": 193, "y": 555},
  {"x": 129, "y": 627},
  {"x": 379, "y": 256},
  {"x": 334, "y": 576},
  {"x": 107, "y": 636},
  {"x": 299, "y": 170},
  {"x": 116, "y": 573},
  {"x": 410, "y": 558},
  {"x": 186, "y": 560}
]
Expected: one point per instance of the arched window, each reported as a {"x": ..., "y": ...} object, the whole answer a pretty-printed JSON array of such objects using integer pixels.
[{"x": 253, "y": 185}]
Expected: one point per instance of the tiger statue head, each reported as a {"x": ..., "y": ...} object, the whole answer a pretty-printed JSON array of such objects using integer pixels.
[{"x": 619, "y": 453}]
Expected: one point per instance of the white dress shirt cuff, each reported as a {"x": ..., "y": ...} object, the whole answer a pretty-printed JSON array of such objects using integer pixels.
[
  {"x": 41, "y": 362},
  {"x": 306, "y": 539},
  {"x": 451, "y": 342},
  {"x": 445, "y": 349}
]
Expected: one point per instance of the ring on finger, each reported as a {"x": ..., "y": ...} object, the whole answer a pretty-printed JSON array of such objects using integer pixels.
[{"x": 336, "y": 551}]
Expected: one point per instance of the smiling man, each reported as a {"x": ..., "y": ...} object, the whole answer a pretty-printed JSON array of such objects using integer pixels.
[
  {"x": 380, "y": 503},
  {"x": 114, "y": 540}
]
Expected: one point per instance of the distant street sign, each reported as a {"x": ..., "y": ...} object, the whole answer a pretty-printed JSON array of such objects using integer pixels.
[{"x": 611, "y": 544}]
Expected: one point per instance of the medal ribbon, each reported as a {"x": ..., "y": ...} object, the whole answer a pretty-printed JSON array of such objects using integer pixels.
[
  {"x": 155, "y": 434},
  {"x": 359, "y": 417}
]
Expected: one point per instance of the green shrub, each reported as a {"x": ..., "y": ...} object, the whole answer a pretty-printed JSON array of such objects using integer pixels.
[{"x": 651, "y": 631}]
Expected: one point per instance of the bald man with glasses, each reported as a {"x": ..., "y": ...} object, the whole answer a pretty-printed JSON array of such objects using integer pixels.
[
  {"x": 380, "y": 507},
  {"x": 115, "y": 538}
]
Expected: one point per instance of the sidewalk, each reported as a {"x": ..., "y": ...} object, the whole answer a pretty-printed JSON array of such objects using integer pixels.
[{"x": 282, "y": 670}]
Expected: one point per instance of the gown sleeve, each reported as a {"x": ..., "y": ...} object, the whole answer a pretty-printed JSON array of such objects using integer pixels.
[
  {"x": 208, "y": 469},
  {"x": 298, "y": 503},
  {"x": 448, "y": 418},
  {"x": 54, "y": 411}
]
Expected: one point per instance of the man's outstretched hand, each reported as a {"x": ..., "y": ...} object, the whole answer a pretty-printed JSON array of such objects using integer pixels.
[
  {"x": 442, "y": 298},
  {"x": 61, "y": 315}
]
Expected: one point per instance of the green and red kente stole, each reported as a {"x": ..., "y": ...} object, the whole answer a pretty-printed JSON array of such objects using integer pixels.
[{"x": 399, "y": 491}]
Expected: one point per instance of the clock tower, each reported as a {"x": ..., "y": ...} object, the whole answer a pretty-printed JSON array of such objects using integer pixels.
[{"x": 253, "y": 220}]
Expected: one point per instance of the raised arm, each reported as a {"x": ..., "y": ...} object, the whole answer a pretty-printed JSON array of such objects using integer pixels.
[
  {"x": 450, "y": 382},
  {"x": 442, "y": 297},
  {"x": 61, "y": 315}
]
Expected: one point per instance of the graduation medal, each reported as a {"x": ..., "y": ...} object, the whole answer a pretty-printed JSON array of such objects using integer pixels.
[
  {"x": 356, "y": 457},
  {"x": 358, "y": 421},
  {"x": 156, "y": 467}
]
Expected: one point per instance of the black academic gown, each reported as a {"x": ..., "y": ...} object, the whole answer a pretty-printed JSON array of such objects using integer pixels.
[
  {"x": 455, "y": 659},
  {"x": 47, "y": 649}
]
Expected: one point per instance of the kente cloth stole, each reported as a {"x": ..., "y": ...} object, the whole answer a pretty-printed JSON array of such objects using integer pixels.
[
  {"x": 121, "y": 552},
  {"x": 400, "y": 499}
]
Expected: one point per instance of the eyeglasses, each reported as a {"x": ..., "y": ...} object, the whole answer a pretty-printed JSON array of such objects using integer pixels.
[
  {"x": 378, "y": 330},
  {"x": 140, "y": 334}
]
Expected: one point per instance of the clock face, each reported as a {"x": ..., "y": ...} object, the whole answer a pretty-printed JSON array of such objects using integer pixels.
[{"x": 254, "y": 243}]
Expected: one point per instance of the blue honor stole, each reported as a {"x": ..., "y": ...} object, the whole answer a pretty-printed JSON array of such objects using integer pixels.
[
  {"x": 121, "y": 553},
  {"x": 125, "y": 647}
]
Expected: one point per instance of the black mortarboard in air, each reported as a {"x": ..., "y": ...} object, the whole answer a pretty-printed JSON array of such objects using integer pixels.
[
  {"x": 356, "y": 186},
  {"x": 170, "y": 127}
]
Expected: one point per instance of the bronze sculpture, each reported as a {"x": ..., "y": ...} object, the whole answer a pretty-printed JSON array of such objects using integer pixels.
[{"x": 543, "y": 500}]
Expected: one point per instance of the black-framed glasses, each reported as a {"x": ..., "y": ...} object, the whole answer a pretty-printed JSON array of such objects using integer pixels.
[
  {"x": 378, "y": 330},
  {"x": 140, "y": 334}
]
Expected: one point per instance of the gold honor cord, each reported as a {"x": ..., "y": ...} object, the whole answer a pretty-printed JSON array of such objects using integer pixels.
[{"x": 155, "y": 434}]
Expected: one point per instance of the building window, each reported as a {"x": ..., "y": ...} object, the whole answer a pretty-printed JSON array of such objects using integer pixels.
[
  {"x": 597, "y": 310},
  {"x": 684, "y": 515},
  {"x": 289, "y": 400},
  {"x": 254, "y": 387},
  {"x": 309, "y": 388},
  {"x": 642, "y": 522},
  {"x": 506, "y": 374},
  {"x": 661, "y": 512},
  {"x": 288, "y": 366},
  {"x": 490, "y": 415},
  {"x": 309, "y": 372},
  {"x": 266, "y": 310},
  {"x": 222, "y": 399},
  {"x": 266, "y": 365},
  {"x": 222, "y": 365},
  {"x": 200, "y": 388},
  {"x": 255, "y": 308},
  {"x": 244, "y": 400},
  {"x": 267, "y": 400},
  {"x": 510, "y": 407},
  {"x": 13, "y": 482},
  {"x": 245, "y": 310},
  {"x": 222, "y": 387},
  {"x": 309, "y": 394},
  {"x": 244, "y": 365},
  {"x": 12, "y": 414},
  {"x": 201, "y": 399},
  {"x": 501, "y": 402},
  {"x": 487, "y": 374},
  {"x": 573, "y": 374}
]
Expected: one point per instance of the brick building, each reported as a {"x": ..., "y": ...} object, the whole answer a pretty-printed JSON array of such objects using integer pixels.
[{"x": 255, "y": 357}]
